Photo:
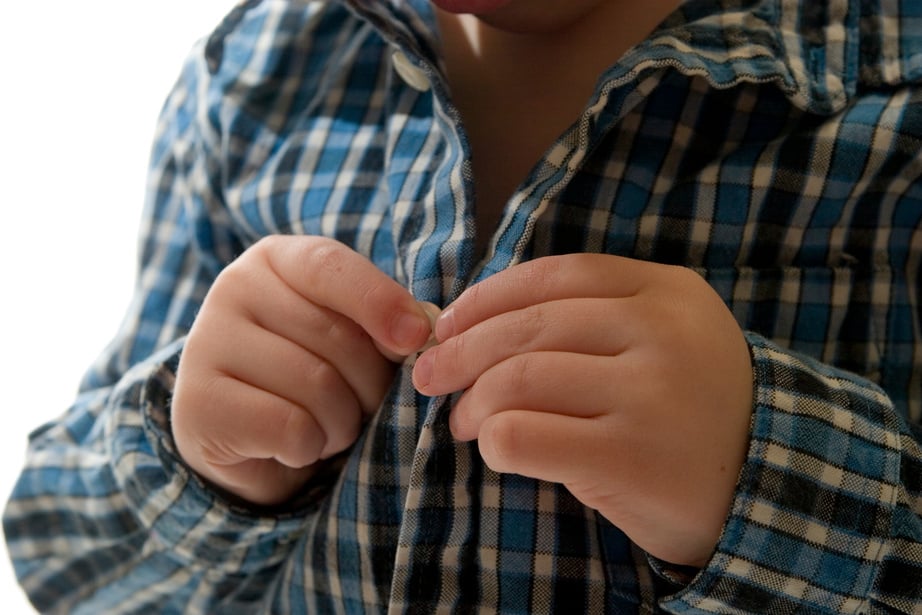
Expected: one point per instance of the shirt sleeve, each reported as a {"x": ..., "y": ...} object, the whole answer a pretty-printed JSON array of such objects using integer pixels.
[
  {"x": 104, "y": 517},
  {"x": 828, "y": 509}
]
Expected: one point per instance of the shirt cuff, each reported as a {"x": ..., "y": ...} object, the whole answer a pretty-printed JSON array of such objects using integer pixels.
[
  {"x": 184, "y": 515},
  {"x": 811, "y": 517}
]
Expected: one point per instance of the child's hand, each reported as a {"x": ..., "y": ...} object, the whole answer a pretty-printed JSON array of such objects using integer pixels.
[
  {"x": 292, "y": 349},
  {"x": 628, "y": 382}
]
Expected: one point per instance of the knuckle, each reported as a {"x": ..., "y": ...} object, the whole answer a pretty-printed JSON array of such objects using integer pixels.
[
  {"x": 472, "y": 294},
  {"x": 323, "y": 254},
  {"x": 229, "y": 278},
  {"x": 340, "y": 409},
  {"x": 517, "y": 373},
  {"x": 267, "y": 244},
  {"x": 208, "y": 391},
  {"x": 263, "y": 254},
  {"x": 303, "y": 438},
  {"x": 198, "y": 399},
  {"x": 541, "y": 274},
  {"x": 459, "y": 347},
  {"x": 374, "y": 296},
  {"x": 323, "y": 377},
  {"x": 214, "y": 453},
  {"x": 684, "y": 278},
  {"x": 315, "y": 259},
  {"x": 461, "y": 422},
  {"x": 500, "y": 444},
  {"x": 526, "y": 325},
  {"x": 240, "y": 277},
  {"x": 344, "y": 333},
  {"x": 345, "y": 435}
]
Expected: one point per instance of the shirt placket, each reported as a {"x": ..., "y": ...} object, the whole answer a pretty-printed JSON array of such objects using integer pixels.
[{"x": 450, "y": 551}]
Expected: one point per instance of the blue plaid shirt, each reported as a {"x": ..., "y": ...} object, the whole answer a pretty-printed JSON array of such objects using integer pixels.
[{"x": 771, "y": 145}]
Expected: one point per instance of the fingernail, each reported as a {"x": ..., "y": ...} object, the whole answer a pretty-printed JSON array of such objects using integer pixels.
[
  {"x": 445, "y": 325},
  {"x": 432, "y": 311},
  {"x": 407, "y": 330},
  {"x": 422, "y": 371}
]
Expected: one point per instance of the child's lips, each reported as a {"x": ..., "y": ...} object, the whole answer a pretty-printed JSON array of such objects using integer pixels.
[{"x": 476, "y": 7}]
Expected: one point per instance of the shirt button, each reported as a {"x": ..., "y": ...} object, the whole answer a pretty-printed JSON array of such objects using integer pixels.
[{"x": 414, "y": 76}]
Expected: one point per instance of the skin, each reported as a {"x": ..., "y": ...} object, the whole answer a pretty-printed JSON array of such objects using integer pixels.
[
  {"x": 544, "y": 17},
  {"x": 293, "y": 349},
  {"x": 522, "y": 74},
  {"x": 583, "y": 370},
  {"x": 587, "y": 370}
]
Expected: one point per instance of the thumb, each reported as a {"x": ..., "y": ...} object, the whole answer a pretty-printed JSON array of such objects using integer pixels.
[{"x": 431, "y": 311}]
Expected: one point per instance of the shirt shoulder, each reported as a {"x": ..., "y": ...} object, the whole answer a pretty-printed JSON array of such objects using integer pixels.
[
  {"x": 888, "y": 51},
  {"x": 821, "y": 55},
  {"x": 270, "y": 61},
  {"x": 255, "y": 26}
]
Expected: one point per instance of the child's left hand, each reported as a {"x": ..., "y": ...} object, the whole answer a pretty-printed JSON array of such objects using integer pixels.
[{"x": 628, "y": 382}]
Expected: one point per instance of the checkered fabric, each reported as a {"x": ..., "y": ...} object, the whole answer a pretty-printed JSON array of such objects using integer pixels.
[{"x": 771, "y": 145}]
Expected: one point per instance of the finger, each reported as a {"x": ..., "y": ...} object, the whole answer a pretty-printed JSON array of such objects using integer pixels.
[
  {"x": 262, "y": 456},
  {"x": 545, "y": 279},
  {"x": 549, "y": 447},
  {"x": 330, "y": 274},
  {"x": 432, "y": 312},
  {"x": 549, "y": 382},
  {"x": 264, "y": 482},
  {"x": 584, "y": 326},
  {"x": 284, "y": 369},
  {"x": 273, "y": 306},
  {"x": 235, "y": 421}
]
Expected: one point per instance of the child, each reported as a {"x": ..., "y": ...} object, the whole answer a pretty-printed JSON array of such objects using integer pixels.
[{"x": 678, "y": 366}]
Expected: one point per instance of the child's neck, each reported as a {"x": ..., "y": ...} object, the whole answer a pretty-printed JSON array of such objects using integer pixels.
[
  {"x": 479, "y": 55},
  {"x": 518, "y": 92}
]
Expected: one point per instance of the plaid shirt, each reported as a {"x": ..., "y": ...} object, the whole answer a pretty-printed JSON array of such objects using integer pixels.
[{"x": 771, "y": 145}]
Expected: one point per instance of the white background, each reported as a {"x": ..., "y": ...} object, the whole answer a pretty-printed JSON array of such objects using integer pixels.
[{"x": 81, "y": 84}]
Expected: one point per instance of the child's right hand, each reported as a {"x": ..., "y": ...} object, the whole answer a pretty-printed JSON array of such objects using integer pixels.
[{"x": 291, "y": 351}]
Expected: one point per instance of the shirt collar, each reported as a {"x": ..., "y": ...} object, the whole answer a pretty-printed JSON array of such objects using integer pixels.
[
  {"x": 819, "y": 52},
  {"x": 407, "y": 24}
]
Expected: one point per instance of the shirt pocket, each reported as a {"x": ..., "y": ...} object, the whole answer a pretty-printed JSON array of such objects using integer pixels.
[{"x": 829, "y": 313}]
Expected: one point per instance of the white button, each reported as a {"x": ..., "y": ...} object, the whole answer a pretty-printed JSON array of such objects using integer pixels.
[{"x": 414, "y": 76}]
